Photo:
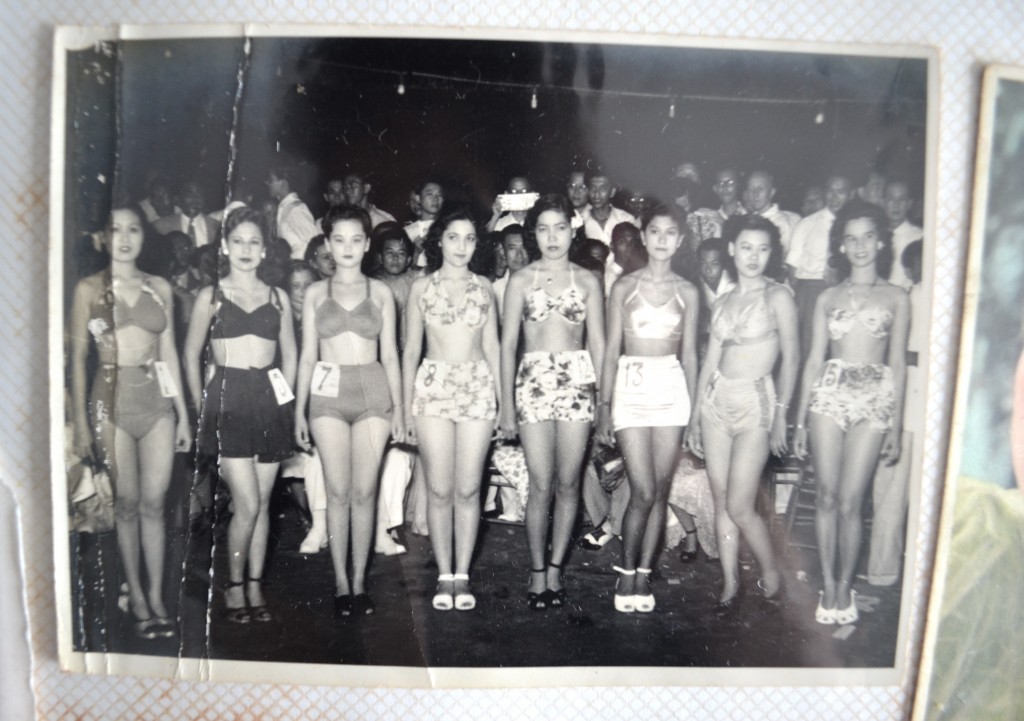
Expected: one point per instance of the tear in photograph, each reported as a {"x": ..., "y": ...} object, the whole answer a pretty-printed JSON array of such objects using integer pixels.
[{"x": 446, "y": 359}]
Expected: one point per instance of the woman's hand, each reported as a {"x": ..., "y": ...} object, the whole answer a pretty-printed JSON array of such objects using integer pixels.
[
  {"x": 604, "y": 433},
  {"x": 800, "y": 442},
  {"x": 183, "y": 435},
  {"x": 508, "y": 429},
  {"x": 891, "y": 447},
  {"x": 693, "y": 439},
  {"x": 777, "y": 439},
  {"x": 82, "y": 442},
  {"x": 410, "y": 428},
  {"x": 302, "y": 432},
  {"x": 398, "y": 432}
]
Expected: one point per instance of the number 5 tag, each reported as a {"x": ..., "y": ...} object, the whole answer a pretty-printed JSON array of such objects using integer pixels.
[
  {"x": 280, "y": 386},
  {"x": 163, "y": 376},
  {"x": 326, "y": 380}
]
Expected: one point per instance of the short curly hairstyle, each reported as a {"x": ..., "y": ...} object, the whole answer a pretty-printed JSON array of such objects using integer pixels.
[
  {"x": 560, "y": 204},
  {"x": 432, "y": 243},
  {"x": 735, "y": 225},
  {"x": 855, "y": 210}
]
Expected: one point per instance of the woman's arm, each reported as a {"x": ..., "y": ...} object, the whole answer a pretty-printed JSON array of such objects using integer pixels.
[
  {"x": 1017, "y": 423},
  {"x": 510, "y": 323},
  {"x": 169, "y": 355},
  {"x": 595, "y": 326},
  {"x": 286, "y": 338},
  {"x": 789, "y": 349},
  {"x": 898, "y": 364},
  {"x": 413, "y": 351},
  {"x": 609, "y": 365},
  {"x": 489, "y": 341},
  {"x": 198, "y": 327},
  {"x": 308, "y": 355},
  {"x": 389, "y": 357},
  {"x": 688, "y": 356},
  {"x": 712, "y": 358},
  {"x": 813, "y": 362},
  {"x": 79, "y": 331}
]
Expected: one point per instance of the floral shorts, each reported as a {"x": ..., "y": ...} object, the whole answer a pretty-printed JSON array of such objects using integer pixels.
[
  {"x": 555, "y": 387},
  {"x": 851, "y": 393},
  {"x": 454, "y": 391}
]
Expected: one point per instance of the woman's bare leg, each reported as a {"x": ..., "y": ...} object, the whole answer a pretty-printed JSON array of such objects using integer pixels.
[
  {"x": 334, "y": 442},
  {"x": 538, "y": 441},
  {"x": 156, "y": 461},
  {"x": 472, "y": 440},
  {"x": 860, "y": 459},
  {"x": 746, "y": 469},
  {"x": 437, "y": 453},
  {"x": 240, "y": 475},
  {"x": 718, "y": 459},
  {"x": 827, "y": 441},
  {"x": 570, "y": 450},
  {"x": 369, "y": 437}
]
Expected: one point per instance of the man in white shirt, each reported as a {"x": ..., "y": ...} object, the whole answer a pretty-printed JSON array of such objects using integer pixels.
[
  {"x": 602, "y": 217},
  {"x": 500, "y": 220},
  {"x": 707, "y": 222},
  {"x": 334, "y": 196},
  {"x": 516, "y": 259},
  {"x": 579, "y": 198},
  {"x": 295, "y": 223},
  {"x": 357, "y": 192},
  {"x": 807, "y": 259},
  {"x": 759, "y": 198},
  {"x": 158, "y": 203},
  {"x": 190, "y": 220},
  {"x": 431, "y": 197},
  {"x": 896, "y": 202}
]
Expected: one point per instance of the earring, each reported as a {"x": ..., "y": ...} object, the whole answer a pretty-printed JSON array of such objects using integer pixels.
[
  {"x": 263, "y": 254},
  {"x": 842, "y": 248},
  {"x": 223, "y": 250}
]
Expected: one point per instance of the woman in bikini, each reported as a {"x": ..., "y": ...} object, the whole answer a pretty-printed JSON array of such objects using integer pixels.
[
  {"x": 347, "y": 321},
  {"x": 450, "y": 400},
  {"x": 245, "y": 416},
  {"x": 652, "y": 318},
  {"x": 738, "y": 418},
  {"x": 135, "y": 418},
  {"x": 560, "y": 308},
  {"x": 852, "y": 403}
]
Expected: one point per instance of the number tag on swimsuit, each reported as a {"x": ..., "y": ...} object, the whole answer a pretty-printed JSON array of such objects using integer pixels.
[
  {"x": 163, "y": 376},
  {"x": 582, "y": 369},
  {"x": 634, "y": 374},
  {"x": 326, "y": 380},
  {"x": 280, "y": 386}
]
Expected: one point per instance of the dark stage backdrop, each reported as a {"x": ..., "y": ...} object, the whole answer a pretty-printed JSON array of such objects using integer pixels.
[{"x": 466, "y": 117}]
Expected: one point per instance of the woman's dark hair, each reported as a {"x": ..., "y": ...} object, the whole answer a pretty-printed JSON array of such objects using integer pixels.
[
  {"x": 449, "y": 214},
  {"x": 684, "y": 261},
  {"x": 311, "y": 247},
  {"x": 856, "y": 209},
  {"x": 154, "y": 258},
  {"x": 560, "y": 204},
  {"x": 735, "y": 225},
  {"x": 238, "y": 216},
  {"x": 911, "y": 259},
  {"x": 346, "y": 212},
  {"x": 297, "y": 266},
  {"x": 663, "y": 211}
]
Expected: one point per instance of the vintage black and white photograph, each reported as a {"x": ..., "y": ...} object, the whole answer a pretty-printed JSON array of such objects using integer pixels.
[
  {"x": 438, "y": 359},
  {"x": 975, "y": 624}
]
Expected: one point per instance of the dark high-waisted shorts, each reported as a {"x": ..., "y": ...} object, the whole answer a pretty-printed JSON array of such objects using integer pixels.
[{"x": 241, "y": 417}]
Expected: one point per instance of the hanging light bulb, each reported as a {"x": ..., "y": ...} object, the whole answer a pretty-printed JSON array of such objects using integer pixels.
[
  {"x": 672, "y": 108},
  {"x": 533, "y": 99},
  {"x": 401, "y": 85}
]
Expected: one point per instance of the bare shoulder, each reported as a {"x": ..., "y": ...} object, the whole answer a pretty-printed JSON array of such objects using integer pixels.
[
  {"x": 780, "y": 294},
  {"x": 282, "y": 296},
  {"x": 160, "y": 285},
  {"x": 586, "y": 279},
  {"x": 625, "y": 284},
  {"x": 91, "y": 285},
  {"x": 380, "y": 290}
]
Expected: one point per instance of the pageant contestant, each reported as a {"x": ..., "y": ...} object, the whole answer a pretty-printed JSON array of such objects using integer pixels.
[
  {"x": 852, "y": 404},
  {"x": 652, "y": 320},
  {"x": 135, "y": 418},
  {"x": 246, "y": 416},
  {"x": 346, "y": 321},
  {"x": 738, "y": 418},
  {"x": 559, "y": 306},
  {"x": 450, "y": 399}
]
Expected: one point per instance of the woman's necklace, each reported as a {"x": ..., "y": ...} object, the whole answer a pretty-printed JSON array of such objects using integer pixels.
[{"x": 854, "y": 303}]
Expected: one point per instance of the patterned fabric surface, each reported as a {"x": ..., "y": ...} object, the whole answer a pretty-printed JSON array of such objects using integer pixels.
[{"x": 968, "y": 34}]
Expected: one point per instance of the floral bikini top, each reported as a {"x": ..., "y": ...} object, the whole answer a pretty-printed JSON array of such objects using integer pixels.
[
  {"x": 332, "y": 319},
  {"x": 570, "y": 303},
  {"x": 876, "y": 321},
  {"x": 753, "y": 324},
  {"x": 656, "y": 322},
  {"x": 438, "y": 309}
]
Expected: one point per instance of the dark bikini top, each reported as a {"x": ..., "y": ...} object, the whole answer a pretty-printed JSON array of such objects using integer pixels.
[
  {"x": 754, "y": 324},
  {"x": 570, "y": 303},
  {"x": 332, "y": 319},
  {"x": 641, "y": 319},
  {"x": 231, "y": 321},
  {"x": 149, "y": 312}
]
